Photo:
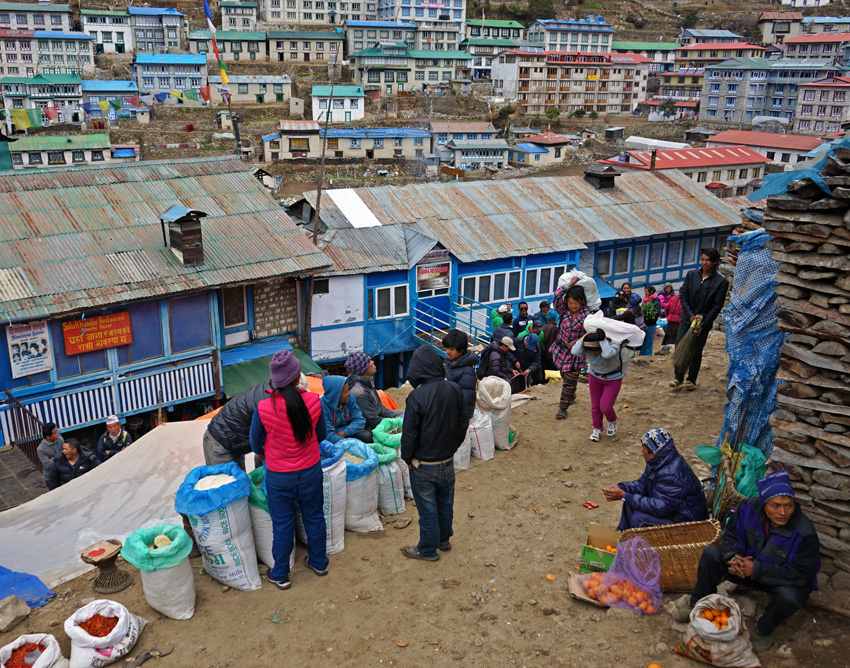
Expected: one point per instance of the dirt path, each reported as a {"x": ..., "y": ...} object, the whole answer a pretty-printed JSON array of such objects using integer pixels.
[{"x": 487, "y": 602}]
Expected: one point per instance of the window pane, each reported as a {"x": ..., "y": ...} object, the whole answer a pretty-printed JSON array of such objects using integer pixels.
[
  {"x": 469, "y": 288},
  {"x": 74, "y": 365},
  {"x": 639, "y": 258},
  {"x": 621, "y": 262},
  {"x": 513, "y": 285},
  {"x": 234, "y": 306},
  {"x": 370, "y": 304},
  {"x": 708, "y": 242},
  {"x": 484, "y": 288},
  {"x": 400, "y": 300},
  {"x": 384, "y": 303},
  {"x": 144, "y": 318},
  {"x": 531, "y": 282},
  {"x": 498, "y": 287},
  {"x": 674, "y": 250},
  {"x": 190, "y": 322},
  {"x": 656, "y": 256},
  {"x": 545, "y": 279},
  {"x": 691, "y": 246},
  {"x": 559, "y": 271}
]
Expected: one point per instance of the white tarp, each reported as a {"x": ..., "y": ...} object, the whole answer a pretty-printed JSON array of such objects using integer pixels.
[
  {"x": 353, "y": 208},
  {"x": 124, "y": 493}
]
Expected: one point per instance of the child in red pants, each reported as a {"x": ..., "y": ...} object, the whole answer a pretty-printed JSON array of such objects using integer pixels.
[{"x": 605, "y": 376}]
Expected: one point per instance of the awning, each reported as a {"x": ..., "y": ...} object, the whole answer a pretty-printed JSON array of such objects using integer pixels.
[
  {"x": 605, "y": 290},
  {"x": 239, "y": 377}
]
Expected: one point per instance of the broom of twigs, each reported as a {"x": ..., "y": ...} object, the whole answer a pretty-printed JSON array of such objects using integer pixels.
[{"x": 686, "y": 348}]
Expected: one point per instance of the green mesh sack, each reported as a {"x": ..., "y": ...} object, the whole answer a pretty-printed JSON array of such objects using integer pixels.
[
  {"x": 137, "y": 548},
  {"x": 257, "y": 497},
  {"x": 381, "y": 435},
  {"x": 386, "y": 453}
]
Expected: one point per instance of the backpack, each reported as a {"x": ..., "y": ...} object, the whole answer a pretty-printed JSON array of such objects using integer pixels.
[{"x": 483, "y": 369}]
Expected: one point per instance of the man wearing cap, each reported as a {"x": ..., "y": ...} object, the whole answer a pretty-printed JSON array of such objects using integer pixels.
[
  {"x": 361, "y": 371},
  {"x": 769, "y": 545},
  {"x": 668, "y": 492},
  {"x": 546, "y": 313},
  {"x": 500, "y": 366},
  {"x": 497, "y": 315},
  {"x": 528, "y": 356},
  {"x": 114, "y": 440}
]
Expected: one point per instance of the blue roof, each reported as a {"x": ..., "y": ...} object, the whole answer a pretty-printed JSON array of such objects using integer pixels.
[
  {"x": 529, "y": 148},
  {"x": 365, "y": 133},
  {"x": 170, "y": 58},
  {"x": 55, "y": 34},
  {"x": 380, "y": 24},
  {"x": 153, "y": 11},
  {"x": 826, "y": 19},
  {"x": 271, "y": 137},
  {"x": 698, "y": 32},
  {"x": 112, "y": 86},
  {"x": 586, "y": 23}
]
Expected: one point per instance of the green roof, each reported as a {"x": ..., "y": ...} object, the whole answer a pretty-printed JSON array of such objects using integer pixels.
[
  {"x": 33, "y": 7},
  {"x": 495, "y": 24},
  {"x": 60, "y": 142},
  {"x": 341, "y": 91},
  {"x": 103, "y": 12},
  {"x": 44, "y": 79},
  {"x": 229, "y": 35},
  {"x": 644, "y": 46},
  {"x": 742, "y": 64},
  {"x": 305, "y": 34},
  {"x": 490, "y": 41},
  {"x": 458, "y": 55},
  {"x": 235, "y": 3}
]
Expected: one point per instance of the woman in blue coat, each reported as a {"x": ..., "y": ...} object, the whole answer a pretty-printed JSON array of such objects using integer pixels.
[
  {"x": 343, "y": 417},
  {"x": 668, "y": 492}
]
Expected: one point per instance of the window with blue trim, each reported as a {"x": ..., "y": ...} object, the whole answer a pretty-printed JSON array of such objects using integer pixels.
[
  {"x": 234, "y": 307},
  {"x": 542, "y": 281},
  {"x": 190, "y": 322},
  {"x": 496, "y": 287},
  {"x": 146, "y": 326},
  {"x": 387, "y": 302},
  {"x": 68, "y": 366}
]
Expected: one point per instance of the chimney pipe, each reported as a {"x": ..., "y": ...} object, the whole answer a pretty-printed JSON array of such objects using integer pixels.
[{"x": 652, "y": 161}]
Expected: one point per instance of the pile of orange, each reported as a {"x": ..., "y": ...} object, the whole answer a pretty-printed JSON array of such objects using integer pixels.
[
  {"x": 616, "y": 592},
  {"x": 720, "y": 618},
  {"x": 607, "y": 548}
]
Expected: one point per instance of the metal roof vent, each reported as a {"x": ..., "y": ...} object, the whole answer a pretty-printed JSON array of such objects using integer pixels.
[
  {"x": 600, "y": 176},
  {"x": 184, "y": 234}
]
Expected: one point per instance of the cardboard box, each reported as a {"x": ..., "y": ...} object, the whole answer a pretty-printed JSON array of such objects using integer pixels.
[
  {"x": 594, "y": 558},
  {"x": 577, "y": 591}
]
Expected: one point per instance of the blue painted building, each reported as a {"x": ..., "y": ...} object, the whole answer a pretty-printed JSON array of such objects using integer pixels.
[
  {"x": 125, "y": 92},
  {"x": 134, "y": 288},
  {"x": 410, "y": 262}
]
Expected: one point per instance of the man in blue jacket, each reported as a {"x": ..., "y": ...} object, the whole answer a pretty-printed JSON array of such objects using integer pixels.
[
  {"x": 769, "y": 545},
  {"x": 668, "y": 492},
  {"x": 343, "y": 417}
]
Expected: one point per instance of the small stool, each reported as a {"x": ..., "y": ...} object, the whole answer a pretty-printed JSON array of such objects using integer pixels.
[{"x": 103, "y": 555}]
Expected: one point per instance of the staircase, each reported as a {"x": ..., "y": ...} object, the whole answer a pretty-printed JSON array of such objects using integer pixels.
[{"x": 432, "y": 323}]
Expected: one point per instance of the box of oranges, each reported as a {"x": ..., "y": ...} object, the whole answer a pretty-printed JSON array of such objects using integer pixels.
[{"x": 601, "y": 548}]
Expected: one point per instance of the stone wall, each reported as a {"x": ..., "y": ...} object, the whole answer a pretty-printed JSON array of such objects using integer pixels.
[{"x": 276, "y": 308}]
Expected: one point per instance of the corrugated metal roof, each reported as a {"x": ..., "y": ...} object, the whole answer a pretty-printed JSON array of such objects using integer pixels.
[
  {"x": 86, "y": 237},
  {"x": 55, "y": 34},
  {"x": 298, "y": 126},
  {"x": 339, "y": 91},
  {"x": 477, "y": 144},
  {"x": 13, "y": 284},
  {"x": 169, "y": 58},
  {"x": 306, "y": 34},
  {"x": 60, "y": 142},
  {"x": 461, "y": 126},
  {"x": 254, "y": 78},
  {"x": 529, "y": 148},
  {"x": 33, "y": 7},
  {"x": 111, "y": 86},
  {"x": 484, "y": 220},
  {"x": 375, "y": 132}
]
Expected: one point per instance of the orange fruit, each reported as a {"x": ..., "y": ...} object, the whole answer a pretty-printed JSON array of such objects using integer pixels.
[
  {"x": 653, "y": 665},
  {"x": 650, "y": 610},
  {"x": 707, "y": 614},
  {"x": 632, "y": 601}
]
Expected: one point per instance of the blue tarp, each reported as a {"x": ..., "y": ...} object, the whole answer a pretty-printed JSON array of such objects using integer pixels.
[
  {"x": 250, "y": 351},
  {"x": 123, "y": 153},
  {"x": 26, "y": 587}
]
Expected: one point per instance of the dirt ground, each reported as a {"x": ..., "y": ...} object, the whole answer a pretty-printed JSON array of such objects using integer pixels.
[{"x": 487, "y": 602}]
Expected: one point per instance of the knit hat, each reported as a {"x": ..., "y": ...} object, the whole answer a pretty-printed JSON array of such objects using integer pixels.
[
  {"x": 113, "y": 419},
  {"x": 284, "y": 368},
  {"x": 776, "y": 484},
  {"x": 655, "y": 439},
  {"x": 592, "y": 339},
  {"x": 508, "y": 341},
  {"x": 357, "y": 363}
]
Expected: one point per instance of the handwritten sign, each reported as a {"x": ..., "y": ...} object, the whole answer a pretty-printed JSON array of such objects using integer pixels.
[
  {"x": 103, "y": 331},
  {"x": 29, "y": 349}
]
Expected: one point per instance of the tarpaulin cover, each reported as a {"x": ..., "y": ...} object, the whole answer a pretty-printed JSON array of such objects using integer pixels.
[
  {"x": 26, "y": 587},
  {"x": 191, "y": 501},
  {"x": 130, "y": 490},
  {"x": 753, "y": 342}
]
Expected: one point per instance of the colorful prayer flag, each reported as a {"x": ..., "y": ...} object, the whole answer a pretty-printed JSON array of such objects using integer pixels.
[
  {"x": 191, "y": 94},
  {"x": 104, "y": 107},
  {"x": 86, "y": 107},
  {"x": 147, "y": 99},
  {"x": 161, "y": 97},
  {"x": 205, "y": 93},
  {"x": 133, "y": 101},
  {"x": 21, "y": 119},
  {"x": 35, "y": 118},
  {"x": 178, "y": 94},
  {"x": 115, "y": 104},
  {"x": 52, "y": 113}
]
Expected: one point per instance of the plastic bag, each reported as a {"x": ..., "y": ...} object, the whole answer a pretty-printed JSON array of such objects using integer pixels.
[
  {"x": 405, "y": 478},
  {"x": 622, "y": 332},
  {"x": 90, "y": 652},
  {"x": 391, "y": 488},
  {"x": 335, "y": 499},
  {"x": 494, "y": 398},
  {"x": 480, "y": 436},
  {"x": 261, "y": 521},
  {"x": 51, "y": 657},
  {"x": 462, "y": 457},
  {"x": 633, "y": 581},
  {"x": 221, "y": 523},
  {"x": 167, "y": 577},
  {"x": 380, "y": 433},
  {"x": 704, "y": 641},
  {"x": 361, "y": 488},
  {"x": 591, "y": 290},
  {"x": 752, "y": 466}
]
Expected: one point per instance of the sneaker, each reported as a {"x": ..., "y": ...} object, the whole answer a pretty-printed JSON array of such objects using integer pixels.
[
  {"x": 688, "y": 386},
  {"x": 561, "y": 414},
  {"x": 282, "y": 583},
  {"x": 595, "y": 434},
  {"x": 445, "y": 546},
  {"x": 674, "y": 383},
  {"x": 612, "y": 429},
  {"x": 682, "y": 615},
  {"x": 312, "y": 568},
  {"x": 412, "y": 552},
  {"x": 761, "y": 643}
]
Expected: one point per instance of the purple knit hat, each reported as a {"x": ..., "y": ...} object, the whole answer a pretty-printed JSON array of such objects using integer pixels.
[
  {"x": 357, "y": 363},
  {"x": 284, "y": 369},
  {"x": 776, "y": 484}
]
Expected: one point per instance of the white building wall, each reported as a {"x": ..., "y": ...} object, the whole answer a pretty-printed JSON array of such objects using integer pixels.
[{"x": 342, "y": 304}]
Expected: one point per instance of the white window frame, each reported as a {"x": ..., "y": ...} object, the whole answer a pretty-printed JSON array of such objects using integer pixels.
[
  {"x": 533, "y": 277},
  {"x": 392, "y": 290},
  {"x": 244, "y": 320},
  {"x": 674, "y": 252},
  {"x": 492, "y": 296}
]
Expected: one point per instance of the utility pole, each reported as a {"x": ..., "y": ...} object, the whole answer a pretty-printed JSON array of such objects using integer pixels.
[{"x": 328, "y": 112}]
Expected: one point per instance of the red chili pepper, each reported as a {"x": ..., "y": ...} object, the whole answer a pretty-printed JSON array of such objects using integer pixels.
[
  {"x": 99, "y": 626},
  {"x": 17, "y": 658}
]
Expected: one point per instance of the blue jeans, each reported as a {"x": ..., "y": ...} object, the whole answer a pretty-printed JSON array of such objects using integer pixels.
[
  {"x": 434, "y": 492},
  {"x": 648, "y": 340},
  {"x": 286, "y": 491},
  {"x": 631, "y": 518}
]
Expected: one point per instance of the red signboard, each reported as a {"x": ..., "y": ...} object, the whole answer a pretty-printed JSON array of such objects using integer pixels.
[{"x": 103, "y": 331}]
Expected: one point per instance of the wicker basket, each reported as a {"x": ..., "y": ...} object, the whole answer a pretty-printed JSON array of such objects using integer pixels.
[
  {"x": 730, "y": 498},
  {"x": 679, "y": 547}
]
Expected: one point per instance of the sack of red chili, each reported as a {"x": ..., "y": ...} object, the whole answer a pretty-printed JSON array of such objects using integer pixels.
[
  {"x": 13, "y": 654},
  {"x": 120, "y": 627}
]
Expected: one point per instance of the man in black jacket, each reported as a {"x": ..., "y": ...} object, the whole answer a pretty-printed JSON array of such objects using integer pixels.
[
  {"x": 434, "y": 427},
  {"x": 703, "y": 293},
  {"x": 226, "y": 438},
  {"x": 72, "y": 462},
  {"x": 114, "y": 439}
]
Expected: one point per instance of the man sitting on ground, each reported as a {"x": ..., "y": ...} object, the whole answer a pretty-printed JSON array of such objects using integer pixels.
[
  {"x": 668, "y": 492},
  {"x": 114, "y": 440},
  {"x": 769, "y": 545},
  {"x": 72, "y": 462},
  {"x": 342, "y": 415},
  {"x": 361, "y": 371}
]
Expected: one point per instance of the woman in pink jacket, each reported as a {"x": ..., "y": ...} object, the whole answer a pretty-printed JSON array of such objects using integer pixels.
[
  {"x": 674, "y": 316},
  {"x": 666, "y": 294},
  {"x": 285, "y": 433}
]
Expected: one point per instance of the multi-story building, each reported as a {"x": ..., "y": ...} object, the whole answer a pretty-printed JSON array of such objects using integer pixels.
[
  {"x": 823, "y": 105},
  {"x": 483, "y": 50},
  {"x": 64, "y": 52},
  {"x": 475, "y": 154},
  {"x": 740, "y": 90},
  {"x": 423, "y": 11},
  {"x": 238, "y": 15},
  {"x": 820, "y": 45},
  {"x": 32, "y": 16},
  {"x": 55, "y": 151},
  {"x": 709, "y": 53},
  {"x": 253, "y": 89},
  {"x": 822, "y": 24},
  {"x": 366, "y": 143},
  {"x": 18, "y": 52},
  {"x": 62, "y": 91},
  {"x": 305, "y": 46},
  {"x": 800, "y": 4},
  {"x": 486, "y": 28},
  {"x": 438, "y": 35},
  {"x": 158, "y": 30},
  {"x": 681, "y": 85},
  {"x": 699, "y": 36},
  {"x": 444, "y": 131},
  {"x": 316, "y": 12},
  {"x": 361, "y": 35},
  {"x": 293, "y": 139},
  {"x": 660, "y": 54},
  {"x": 601, "y": 82},
  {"x": 348, "y": 103},
  {"x": 126, "y": 93},
  {"x": 164, "y": 72},
  {"x": 393, "y": 67},
  {"x": 776, "y": 27},
  {"x": 232, "y": 45},
  {"x": 110, "y": 31},
  {"x": 781, "y": 149},
  {"x": 592, "y": 34}
]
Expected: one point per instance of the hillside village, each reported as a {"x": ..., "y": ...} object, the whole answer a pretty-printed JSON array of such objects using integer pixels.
[{"x": 189, "y": 188}]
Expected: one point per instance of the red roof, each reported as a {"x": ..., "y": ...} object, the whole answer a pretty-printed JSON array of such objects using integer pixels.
[
  {"x": 720, "y": 46},
  {"x": 16, "y": 33},
  {"x": 831, "y": 81},
  {"x": 765, "y": 139},
  {"x": 654, "y": 103},
  {"x": 819, "y": 38},
  {"x": 548, "y": 138},
  {"x": 781, "y": 16},
  {"x": 683, "y": 158},
  {"x": 716, "y": 184}
]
